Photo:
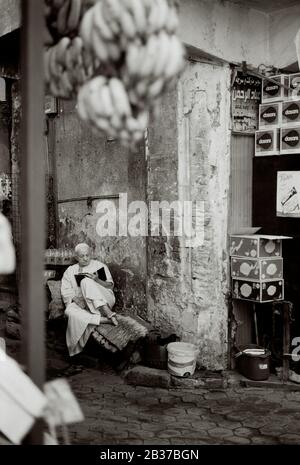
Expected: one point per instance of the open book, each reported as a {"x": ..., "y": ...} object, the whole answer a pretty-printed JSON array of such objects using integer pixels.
[{"x": 101, "y": 275}]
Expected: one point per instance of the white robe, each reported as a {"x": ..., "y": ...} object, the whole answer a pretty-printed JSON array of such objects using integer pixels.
[{"x": 81, "y": 322}]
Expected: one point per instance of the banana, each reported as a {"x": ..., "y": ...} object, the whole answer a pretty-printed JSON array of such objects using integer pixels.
[
  {"x": 119, "y": 97},
  {"x": 172, "y": 21},
  {"x": 61, "y": 49},
  {"x": 54, "y": 67},
  {"x": 114, "y": 8},
  {"x": 93, "y": 89},
  {"x": 80, "y": 108},
  {"x": 150, "y": 56},
  {"x": 116, "y": 122},
  {"x": 103, "y": 124},
  {"x": 132, "y": 124},
  {"x": 133, "y": 58},
  {"x": 143, "y": 119},
  {"x": 163, "y": 53},
  {"x": 153, "y": 19},
  {"x": 106, "y": 101},
  {"x": 155, "y": 89},
  {"x": 87, "y": 60},
  {"x": 163, "y": 14},
  {"x": 100, "y": 23},
  {"x": 74, "y": 15},
  {"x": 138, "y": 11},
  {"x": 137, "y": 136},
  {"x": 99, "y": 47},
  {"x": 55, "y": 91},
  {"x": 124, "y": 135},
  {"x": 68, "y": 58},
  {"x": 128, "y": 25},
  {"x": 141, "y": 88},
  {"x": 112, "y": 22},
  {"x": 86, "y": 28},
  {"x": 133, "y": 97},
  {"x": 81, "y": 103},
  {"x": 176, "y": 58},
  {"x": 62, "y": 17}
]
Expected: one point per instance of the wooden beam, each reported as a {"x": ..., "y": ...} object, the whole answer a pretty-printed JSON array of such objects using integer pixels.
[{"x": 33, "y": 201}]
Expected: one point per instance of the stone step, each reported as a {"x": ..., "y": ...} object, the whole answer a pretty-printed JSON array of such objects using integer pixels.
[{"x": 153, "y": 377}]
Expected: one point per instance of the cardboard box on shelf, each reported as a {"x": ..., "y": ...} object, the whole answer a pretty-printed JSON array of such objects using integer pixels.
[
  {"x": 290, "y": 140},
  {"x": 290, "y": 115},
  {"x": 262, "y": 291},
  {"x": 275, "y": 91},
  {"x": 267, "y": 142},
  {"x": 256, "y": 246},
  {"x": 257, "y": 269},
  {"x": 270, "y": 116},
  {"x": 294, "y": 85}
]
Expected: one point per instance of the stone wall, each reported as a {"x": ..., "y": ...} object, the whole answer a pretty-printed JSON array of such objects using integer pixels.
[
  {"x": 189, "y": 146},
  {"x": 89, "y": 165}
]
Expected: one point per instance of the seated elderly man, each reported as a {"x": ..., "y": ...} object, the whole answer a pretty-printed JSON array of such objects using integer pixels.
[{"x": 88, "y": 298}]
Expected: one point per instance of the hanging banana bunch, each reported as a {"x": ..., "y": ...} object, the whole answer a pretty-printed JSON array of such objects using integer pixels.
[
  {"x": 63, "y": 17},
  {"x": 128, "y": 55},
  {"x": 67, "y": 65}
]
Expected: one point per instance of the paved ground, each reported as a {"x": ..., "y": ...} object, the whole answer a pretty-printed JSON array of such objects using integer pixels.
[{"x": 117, "y": 413}]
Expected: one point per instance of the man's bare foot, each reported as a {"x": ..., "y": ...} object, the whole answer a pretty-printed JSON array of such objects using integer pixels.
[{"x": 114, "y": 320}]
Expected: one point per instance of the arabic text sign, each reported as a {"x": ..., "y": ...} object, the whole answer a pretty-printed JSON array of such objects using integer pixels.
[{"x": 246, "y": 96}]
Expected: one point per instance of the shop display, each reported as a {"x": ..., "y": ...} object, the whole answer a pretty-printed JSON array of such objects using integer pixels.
[
  {"x": 279, "y": 116},
  {"x": 270, "y": 116},
  {"x": 267, "y": 142},
  {"x": 257, "y": 267},
  {"x": 275, "y": 91}
]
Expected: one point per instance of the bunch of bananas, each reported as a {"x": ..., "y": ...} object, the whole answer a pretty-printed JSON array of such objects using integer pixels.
[
  {"x": 131, "y": 50},
  {"x": 63, "y": 17},
  {"x": 104, "y": 103},
  {"x": 67, "y": 66},
  {"x": 138, "y": 38}
]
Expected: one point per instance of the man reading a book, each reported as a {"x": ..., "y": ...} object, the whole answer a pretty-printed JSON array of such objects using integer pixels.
[{"x": 87, "y": 291}]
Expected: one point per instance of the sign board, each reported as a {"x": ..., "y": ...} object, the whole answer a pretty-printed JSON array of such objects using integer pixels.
[
  {"x": 288, "y": 194},
  {"x": 246, "y": 97}
]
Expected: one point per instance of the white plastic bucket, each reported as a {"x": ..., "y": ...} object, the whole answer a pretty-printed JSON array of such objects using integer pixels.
[{"x": 181, "y": 358}]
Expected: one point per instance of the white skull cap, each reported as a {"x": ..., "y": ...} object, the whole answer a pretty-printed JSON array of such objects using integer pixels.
[{"x": 82, "y": 247}]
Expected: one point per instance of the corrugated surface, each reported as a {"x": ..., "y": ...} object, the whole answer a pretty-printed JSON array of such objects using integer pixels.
[
  {"x": 241, "y": 181},
  {"x": 241, "y": 216}
]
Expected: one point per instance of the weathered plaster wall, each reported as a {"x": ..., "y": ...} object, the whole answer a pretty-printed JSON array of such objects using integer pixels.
[
  {"x": 10, "y": 18},
  {"x": 88, "y": 165},
  {"x": 223, "y": 29},
  {"x": 284, "y": 26},
  {"x": 189, "y": 144}
]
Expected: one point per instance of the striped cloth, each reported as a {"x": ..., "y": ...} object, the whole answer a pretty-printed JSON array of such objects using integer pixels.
[{"x": 129, "y": 329}]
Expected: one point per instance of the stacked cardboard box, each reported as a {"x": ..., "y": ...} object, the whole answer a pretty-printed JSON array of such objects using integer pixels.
[
  {"x": 257, "y": 267},
  {"x": 279, "y": 116}
]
